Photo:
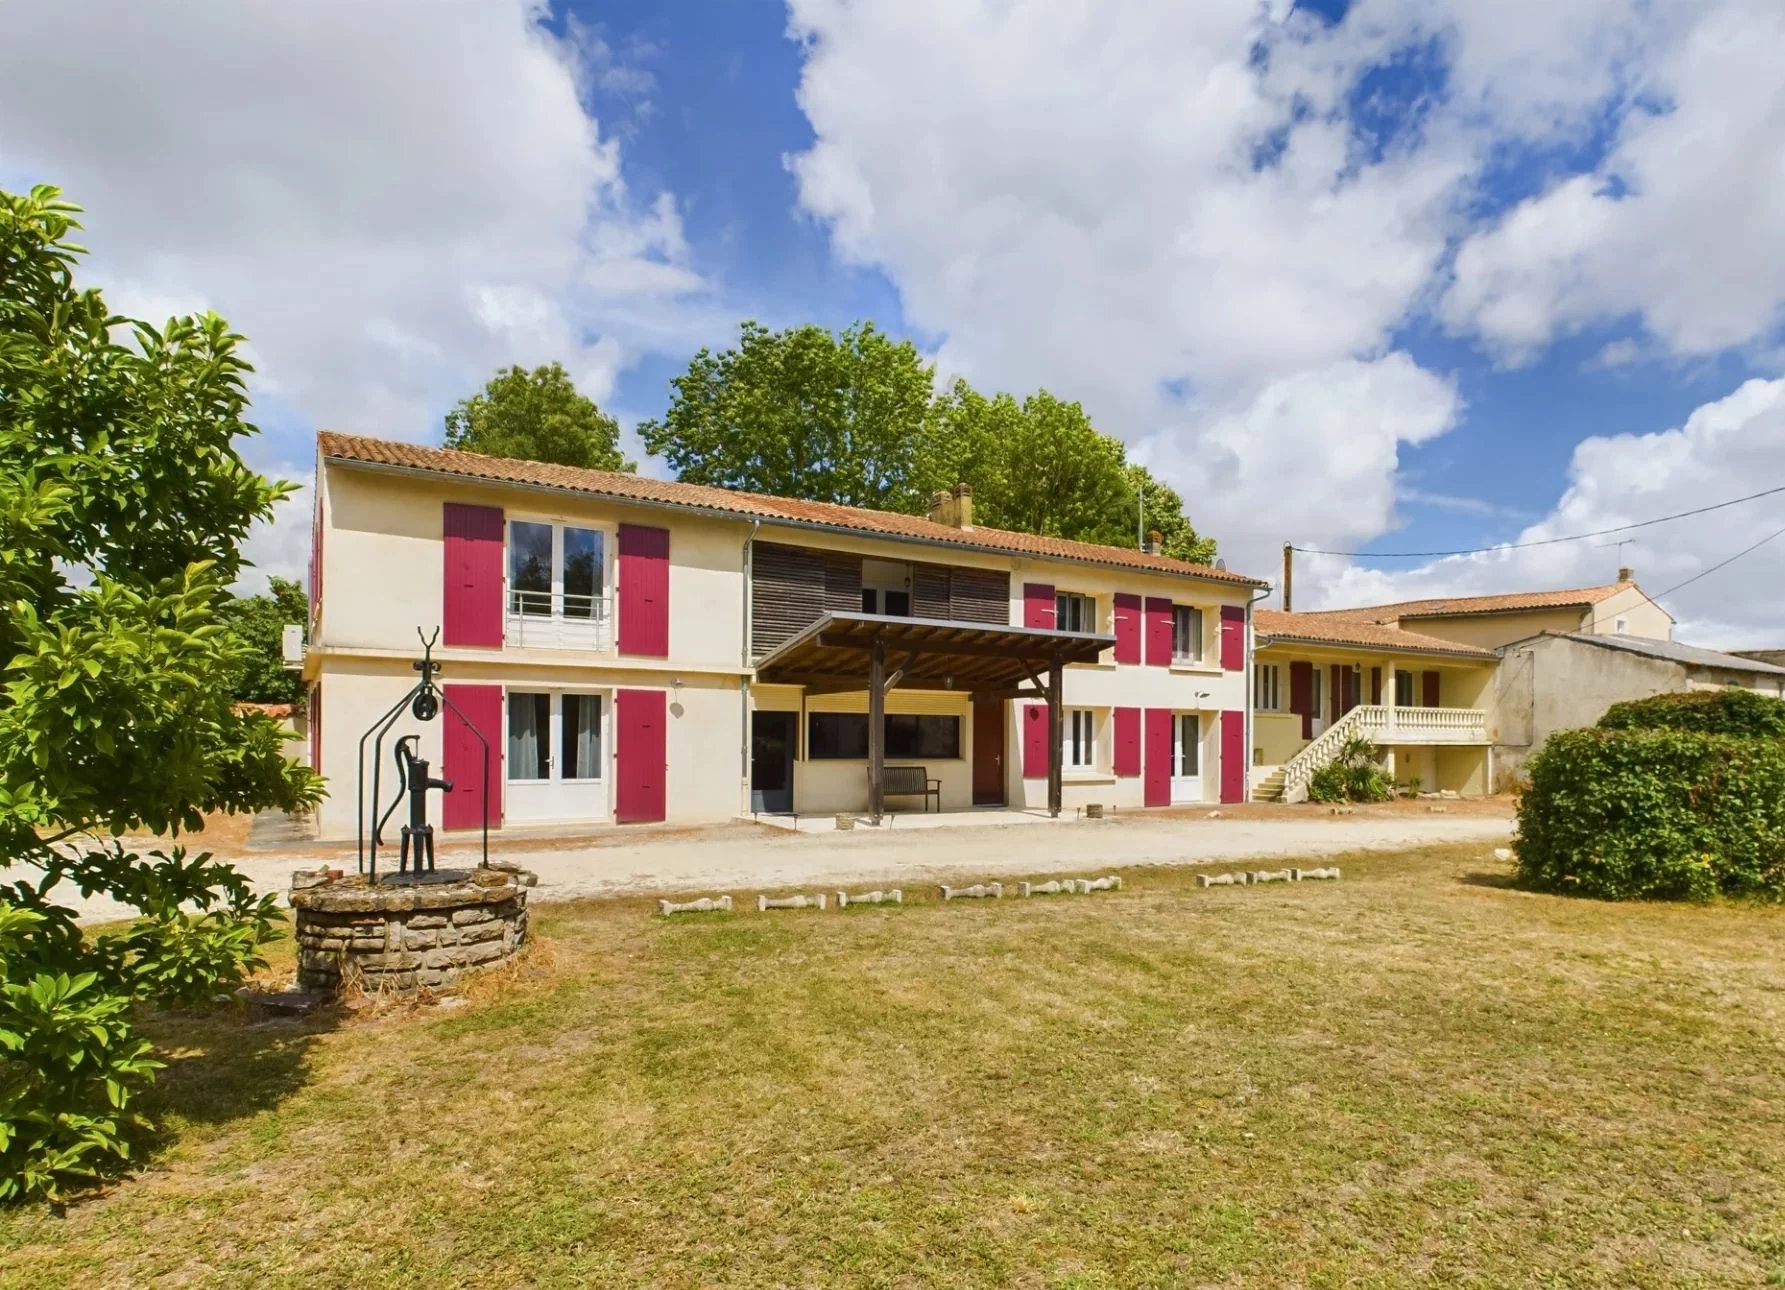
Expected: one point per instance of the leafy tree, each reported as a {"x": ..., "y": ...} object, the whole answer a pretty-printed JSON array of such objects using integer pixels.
[
  {"x": 260, "y": 622},
  {"x": 537, "y": 416},
  {"x": 801, "y": 413},
  {"x": 1163, "y": 513},
  {"x": 123, "y": 504}
]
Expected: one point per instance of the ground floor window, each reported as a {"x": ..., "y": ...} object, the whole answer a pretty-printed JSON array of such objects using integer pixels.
[
  {"x": 1079, "y": 740},
  {"x": 843, "y": 736},
  {"x": 540, "y": 724}
]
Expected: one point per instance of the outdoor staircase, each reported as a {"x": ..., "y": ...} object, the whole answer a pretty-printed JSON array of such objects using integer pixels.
[
  {"x": 1270, "y": 788},
  {"x": 1380, "y": 725},
  {"x": 1294, "y": 774}
]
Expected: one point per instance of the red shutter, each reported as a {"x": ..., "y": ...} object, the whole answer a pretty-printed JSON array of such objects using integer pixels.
[
  {"x": 1035, "y": 741},
  {"x": 1127, "y": 759},
  {"x": 1233, "y": 756},
  {"x": 1429, "y": 683},
  {"x": 1233, "y": 638},
  {"x": 471, "y": 609},
  {"x": 1038, "y": 605},
  {"x": 461, "y": 758},
  {"x": 1156, "y": 787},
  {"x": 1375, "y": 685},
  {"x": 644, "y": 590},
  {"x": 641, "y": 754},
  {"x": 1301, "y": 695},
  {"x": 1158, "y": 626},
  {"x": 1127, "y": 628}
]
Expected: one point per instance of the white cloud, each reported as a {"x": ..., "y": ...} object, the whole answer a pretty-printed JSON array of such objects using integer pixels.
[
  {"x": 1678, "y": 228},
  {"x": 1726, "y": 449}
]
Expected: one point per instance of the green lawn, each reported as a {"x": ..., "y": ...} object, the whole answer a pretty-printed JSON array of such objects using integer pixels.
[{"x": 1413, "y": 1076}]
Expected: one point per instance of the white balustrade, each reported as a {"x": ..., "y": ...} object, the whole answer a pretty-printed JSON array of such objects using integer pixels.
[{"x": 1382, "y": 724}]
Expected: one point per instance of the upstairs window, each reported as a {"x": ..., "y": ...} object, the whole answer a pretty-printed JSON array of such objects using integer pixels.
[
  {"x": 1403, "y": 689},
  {"x": 1186, "y": 634},
  {"x": 1074, "y": 613},
  {"x": 886, "y": 588},
  {"x": 556, "y": 570},
  {"x": 1266, "y": 687}
]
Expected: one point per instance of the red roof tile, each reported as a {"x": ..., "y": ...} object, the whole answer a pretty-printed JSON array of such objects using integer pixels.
[
  {"x": 1456, "y": 606},
  {"x": 760, "y": 506},
  {"x": 1334, "y": 629}
]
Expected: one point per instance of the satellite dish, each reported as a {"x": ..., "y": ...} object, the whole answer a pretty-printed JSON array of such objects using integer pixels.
[{"x": 1221, "y": 564}]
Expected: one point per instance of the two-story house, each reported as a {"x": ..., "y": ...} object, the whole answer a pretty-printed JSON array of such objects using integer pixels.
[{"x": 632, "y": 649}]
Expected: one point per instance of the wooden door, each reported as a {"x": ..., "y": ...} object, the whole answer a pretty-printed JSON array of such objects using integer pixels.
[
  {"x": 988, "y": 753},
  {"x": 640, "y": 755}
]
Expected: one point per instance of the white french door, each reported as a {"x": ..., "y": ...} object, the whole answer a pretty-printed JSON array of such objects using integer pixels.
[
  {"x": 1186, "y": 757},
  {"x": 556, "y": 767}
]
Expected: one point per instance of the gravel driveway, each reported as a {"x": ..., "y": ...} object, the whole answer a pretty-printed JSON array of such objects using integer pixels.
[{"x": 745, "y": 857}]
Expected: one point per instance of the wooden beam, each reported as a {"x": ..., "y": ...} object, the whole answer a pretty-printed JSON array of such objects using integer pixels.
[
  {"x": 1015, "y": 692},
  {"x": 1030, "y": 652},
  {"x": 892, "y": 682},
  {"x": 877, "y": 731},
  {"x": 1055, "y": 752}
]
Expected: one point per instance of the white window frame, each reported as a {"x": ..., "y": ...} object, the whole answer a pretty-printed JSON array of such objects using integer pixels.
[
  {"x": 1075, "y": 604},
  {"x": 1403, "y": 697},
  {"x": 1078, "y": 739},
  {"x": 1622, "y": 627},
  {"x": 556, "y": 629},
  {"x": 1196, "y": 633},
  {"x": 1267, "y": 687}
]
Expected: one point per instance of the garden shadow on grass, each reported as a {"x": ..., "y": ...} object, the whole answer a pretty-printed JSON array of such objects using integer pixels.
[
  {"x": 1502, "y": 880},
  {"x": 228, "y": 1064}
]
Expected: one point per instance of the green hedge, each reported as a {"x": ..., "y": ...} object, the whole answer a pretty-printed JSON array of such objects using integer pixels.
[
  {"x": 1627, "y": 814},
  {"x": 1728, "y": 711}
]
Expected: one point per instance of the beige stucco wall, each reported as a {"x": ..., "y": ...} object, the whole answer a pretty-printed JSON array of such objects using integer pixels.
[
  {"x": 1552, "y": 683},
  {"x": 1490, "y": 631},
  {"x": 1641, "y": 616}
]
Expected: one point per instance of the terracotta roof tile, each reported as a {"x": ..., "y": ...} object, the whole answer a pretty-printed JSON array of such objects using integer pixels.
[
  {"x": 1334, "y": 629},
  {"x": 772, "y": 510},
  {"x": 1455, "y": 606}
]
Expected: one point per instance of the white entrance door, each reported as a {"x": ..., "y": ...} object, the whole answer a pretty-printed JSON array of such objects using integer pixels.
[
  {"x": 1317, "y": 699},
  {"x": 556, "y": 763},
  {"x": 1186, "y": 757}
]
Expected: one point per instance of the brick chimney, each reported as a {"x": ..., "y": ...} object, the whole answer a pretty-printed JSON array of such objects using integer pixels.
[
  {"x": 1626, "y": 574},
  {"x": 1155, "y": 542},
  {"x": 954, "y": 509}
]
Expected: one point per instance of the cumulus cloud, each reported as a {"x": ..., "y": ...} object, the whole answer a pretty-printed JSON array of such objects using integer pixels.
[
  {"x": 390, "y": 197},
  {"x": 1677, "y": 228},
  {"x": 1726, "y": 449}
]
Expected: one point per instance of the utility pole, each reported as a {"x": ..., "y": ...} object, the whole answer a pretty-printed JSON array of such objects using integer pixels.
[{"x": 1288, "y": 578}]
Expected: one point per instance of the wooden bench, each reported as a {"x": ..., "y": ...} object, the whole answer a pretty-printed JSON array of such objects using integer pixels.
[{"x": 912, "y": 781}]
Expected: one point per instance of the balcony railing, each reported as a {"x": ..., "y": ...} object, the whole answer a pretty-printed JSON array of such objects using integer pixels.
[
  {"x": 542, "y": 620},
  {"x": 1399, "y": 725}
]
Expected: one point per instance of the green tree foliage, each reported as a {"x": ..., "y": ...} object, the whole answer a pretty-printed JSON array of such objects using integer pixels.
[
  {"x": 801, "y": 413},
  {"x": 537, "y": 416},
  {"x": 1355, "y": 774},
  {"x": 123, "y": 504},
  {"x": 1629, "y": 814},
  {"x": 1729, "y": 711},
  {"x": 260, "y": 621},
  {"x": 853, "y": 418}
]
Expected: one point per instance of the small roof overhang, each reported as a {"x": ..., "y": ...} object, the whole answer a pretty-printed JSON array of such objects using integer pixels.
[{"x": 924, "y": 653}]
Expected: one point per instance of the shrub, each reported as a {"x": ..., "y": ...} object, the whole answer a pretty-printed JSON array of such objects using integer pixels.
[
  {"x": 1729, "y": 711},
  {"x": 1355, "y": 774},
  {"x": 1328, "y": 783},
  {"x": 1634, "y": 813}
]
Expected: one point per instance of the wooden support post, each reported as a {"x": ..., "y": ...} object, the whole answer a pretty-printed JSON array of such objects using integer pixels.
[
  {"x": 877, "y": 730},
  {"x": 1055, "y": 675}
]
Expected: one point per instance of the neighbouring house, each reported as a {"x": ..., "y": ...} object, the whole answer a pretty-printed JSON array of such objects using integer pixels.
[
  {"x": 1619, "y": 608},
  {"x": 1319, "y": 678},
  {"x": 636, "y": 650},
  {"x": 1774, "y": 656},
  {"x": 1565, "y": 680}
]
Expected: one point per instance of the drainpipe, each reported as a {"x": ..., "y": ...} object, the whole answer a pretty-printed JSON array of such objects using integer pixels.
[
  {"x": 1246, "y": 775},
  {"x": 744, "y": 679}
]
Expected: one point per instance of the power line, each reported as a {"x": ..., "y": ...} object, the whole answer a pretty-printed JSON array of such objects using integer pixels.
[
  {"x": 1520, "y": 546},
  {"x": 1731, "y": 560}
]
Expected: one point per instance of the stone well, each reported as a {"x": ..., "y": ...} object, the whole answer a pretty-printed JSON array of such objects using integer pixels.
[{"x": 410, "y": 933}]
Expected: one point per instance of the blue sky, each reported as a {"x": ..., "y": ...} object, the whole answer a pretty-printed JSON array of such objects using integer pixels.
[{"x": 1373, "y": 276}]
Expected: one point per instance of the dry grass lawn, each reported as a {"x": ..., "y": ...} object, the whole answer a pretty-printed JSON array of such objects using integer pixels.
[{"x": 1413, "y": 1076}]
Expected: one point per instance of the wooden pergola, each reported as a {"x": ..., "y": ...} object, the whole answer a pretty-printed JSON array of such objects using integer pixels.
[{"x": 846, "y": 653}]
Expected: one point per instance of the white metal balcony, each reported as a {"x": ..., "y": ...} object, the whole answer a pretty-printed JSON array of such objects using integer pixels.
[{"x": 544, "y": 620}]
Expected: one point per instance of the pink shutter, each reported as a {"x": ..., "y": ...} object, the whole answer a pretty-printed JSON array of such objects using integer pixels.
[
  {"x": 644, "y": 590},
  {"x": 641, "y": 755},
  {"x": 1158, "y": 628},
  {"x": 471, "y": 608},
  {"x": 1128, "y": 612},
  {"x": 1035, "y": 741},
  {"x": 1233, "y": 638},
  {"x": 1156, "y": 786},
  {"x": 1233, "y": 756},
  {"x": 1429, "y": 686},
  {"x": 1127, "y": 759},
  {"x": 461, "y": 758},
  {"x": 1038, "y": 605}
]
